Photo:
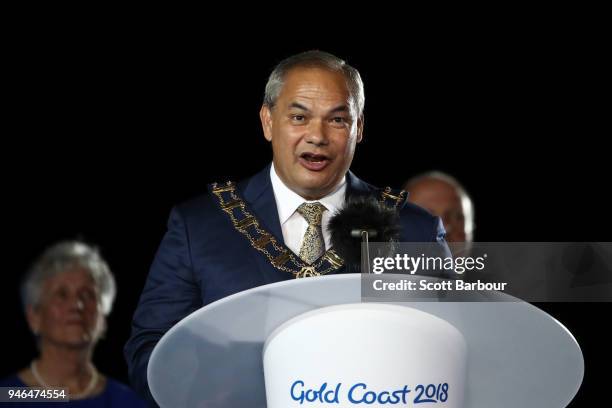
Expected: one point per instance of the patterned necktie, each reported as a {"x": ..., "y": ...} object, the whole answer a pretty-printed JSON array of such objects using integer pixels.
[{"x": 313, "y": 245}]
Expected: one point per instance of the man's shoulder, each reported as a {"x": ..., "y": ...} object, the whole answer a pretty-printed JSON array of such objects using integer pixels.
[
  {"x": 417, "y": 223},
  {"x": 412, "y": 210},
  {"x": 207, "y": 203},
  {"x": 200, "y": 205},
  {"x": 394, "y": 197}
]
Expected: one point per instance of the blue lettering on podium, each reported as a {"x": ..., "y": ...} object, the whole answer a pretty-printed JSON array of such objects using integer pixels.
[
  {"x": 311, "y": 395},
  {"x": 358, "y": 395}
]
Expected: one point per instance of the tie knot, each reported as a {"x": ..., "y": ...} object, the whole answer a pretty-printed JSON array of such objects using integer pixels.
[{"x": 312, "y": 212}]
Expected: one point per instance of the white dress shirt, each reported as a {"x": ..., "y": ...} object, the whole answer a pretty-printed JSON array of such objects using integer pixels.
[{"x": 292, "y": 223}]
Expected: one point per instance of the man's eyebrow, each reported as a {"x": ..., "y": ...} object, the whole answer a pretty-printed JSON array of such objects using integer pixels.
[
  {"x": 298, "y": 106},
  {"x": 340, "y": 108}
]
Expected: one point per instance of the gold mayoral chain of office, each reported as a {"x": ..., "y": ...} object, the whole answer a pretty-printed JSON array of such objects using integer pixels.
[{"x": 277, "y": 253}]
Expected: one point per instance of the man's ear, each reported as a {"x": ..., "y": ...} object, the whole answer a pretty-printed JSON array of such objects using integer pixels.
[
  {"x": 265, "y": 114},
  {"x": 360, "y": 128}
]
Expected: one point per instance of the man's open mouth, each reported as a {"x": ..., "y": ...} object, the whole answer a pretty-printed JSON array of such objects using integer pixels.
[{"x": 313, "y": 161}]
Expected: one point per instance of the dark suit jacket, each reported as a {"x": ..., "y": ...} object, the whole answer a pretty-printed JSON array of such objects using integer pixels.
[{"x": 202, "y": 258}]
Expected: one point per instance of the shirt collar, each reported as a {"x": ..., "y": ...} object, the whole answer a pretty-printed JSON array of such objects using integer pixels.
[{"x": 288, "y": 201}]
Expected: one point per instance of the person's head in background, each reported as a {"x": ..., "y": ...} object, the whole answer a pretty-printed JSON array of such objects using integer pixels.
[
  {"x": 67, "y": 295},
  {"x": 443, "y": 196}
]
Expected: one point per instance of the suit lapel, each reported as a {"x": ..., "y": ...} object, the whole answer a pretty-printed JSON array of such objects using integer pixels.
[
  {"x": 355, "y": 187},
  {"x": 259, "y": 195}
]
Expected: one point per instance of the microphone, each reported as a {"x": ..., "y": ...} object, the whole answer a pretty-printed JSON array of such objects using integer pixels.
[{"x": 362, "y": 219}]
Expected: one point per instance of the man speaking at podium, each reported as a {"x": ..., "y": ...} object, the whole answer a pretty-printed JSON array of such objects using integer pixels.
[{"x": 272, "y": 226}]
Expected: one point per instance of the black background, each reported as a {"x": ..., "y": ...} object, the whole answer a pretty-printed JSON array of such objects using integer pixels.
[{"x": 105, "y": 133}]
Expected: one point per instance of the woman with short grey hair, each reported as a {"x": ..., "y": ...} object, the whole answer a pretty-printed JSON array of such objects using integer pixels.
[{"x": 67, "y": 295}]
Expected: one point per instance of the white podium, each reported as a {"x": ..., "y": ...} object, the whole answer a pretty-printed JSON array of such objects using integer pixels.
[{"x": 313, "y": 343}]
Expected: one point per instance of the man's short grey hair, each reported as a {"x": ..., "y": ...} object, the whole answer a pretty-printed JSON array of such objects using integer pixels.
[
  {"x": 466, "y": 200},
  {"x": 316, "y": 59},
  {"x": 60, "y": 258}
]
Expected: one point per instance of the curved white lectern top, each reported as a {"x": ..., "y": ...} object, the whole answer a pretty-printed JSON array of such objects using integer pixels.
[{"x": 516, "y": 355}]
